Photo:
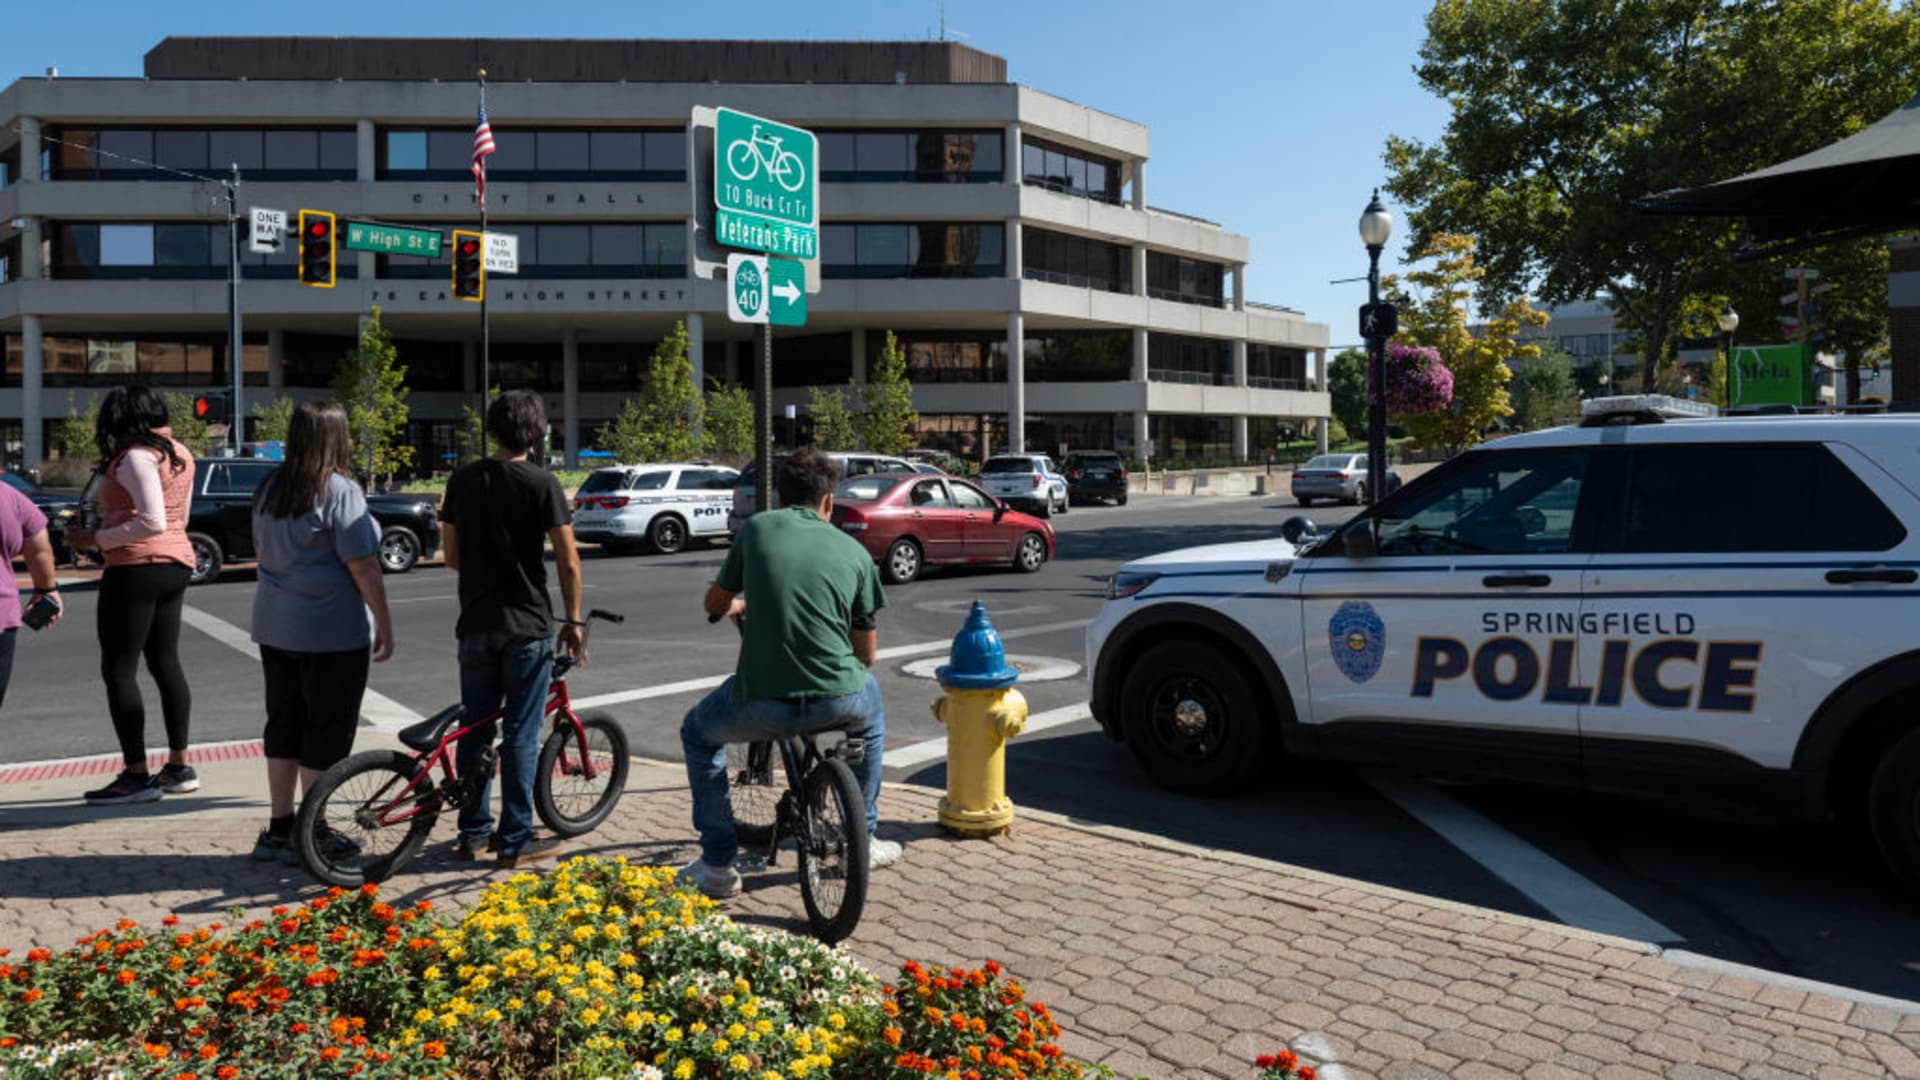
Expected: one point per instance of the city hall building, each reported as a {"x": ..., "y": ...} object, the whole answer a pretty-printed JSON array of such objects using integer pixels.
[{"x": 1003, "y": 234}]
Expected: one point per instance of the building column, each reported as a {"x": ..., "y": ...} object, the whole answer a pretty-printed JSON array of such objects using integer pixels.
[
  {"x": 1240, "y": 287},
  {"x": 1240, "y": 362},
  {"x": 470, "y": 368},
  {"x": 32, "y": 416},
  {"x": 859, "y": 350},
  {"x": 570, "y": 397},
  {"x": 29, "y": 149},
  {"x": 31, "y": 265},
  {"x": 1011, "y": 155},
  {"x": 1140, "y": 184},
  {"x": 733, "y": 363},
  {"x": 1317, "y": 377},
  {"x": 1140, "y": 435},
  {"x": 1240, "y": 440},
  {"x": 365, "y": 159},
  {"x": 1016, "y": 249},
  {"x": 1139, "y": 269},
  {"x": 1016, "y": 382},
  {"x": 1320, "y": 424},
  {"x": 1139, "y": 354},
  {"x": 276, "y": 359}
]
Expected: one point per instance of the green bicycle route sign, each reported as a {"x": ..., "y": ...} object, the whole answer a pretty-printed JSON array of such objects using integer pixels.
[
  {"x": 766, "y": 289},
  {"x": 765, "y": 185}
]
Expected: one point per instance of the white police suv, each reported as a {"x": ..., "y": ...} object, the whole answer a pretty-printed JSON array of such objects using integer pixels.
[
  {"x": 627, "y": 507},
  {"x": 1721, "y": 609}
]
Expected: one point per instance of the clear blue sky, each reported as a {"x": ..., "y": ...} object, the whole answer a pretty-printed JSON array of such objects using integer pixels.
[{"x": 1267, "y": 116}]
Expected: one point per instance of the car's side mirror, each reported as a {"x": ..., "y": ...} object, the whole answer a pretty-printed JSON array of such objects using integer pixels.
[
  {"x": 1360, "y": 540},
  {"x": 1297, "y": 527},
  {"x": 999, "y": 510}
]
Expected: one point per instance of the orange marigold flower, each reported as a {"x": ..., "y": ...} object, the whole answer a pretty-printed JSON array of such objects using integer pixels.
[
  {"x": 892, "y": 1036},
  {"x": 423, "y": 906},
  {"x": 890, "y": 1008},
  {"x": 369, "y": 889},
  {"x": 279, "y": 911},
  {"x": 209, "y": 1052},
  {"x": 435, "y": 1049},
  {"x": 331, "y": 1053},
  {"x": 976, "y": 979},
  {"x": 382, "y": 911},
  {"x": 957, "y": 1022},
  {"x": 978, "y": 1026},
  {"x": 337, "y": 1027},
  {"x": 1305, "y": 1073},
  {"x": 319, "y": 903},
  {"x": 170, "y": 920},
  {"x": 124, "y": 977},
  {"x": 37, "y": 956},
  {"x": 31, "y": 996},
  {"x": 299, "y": 1027},
  {"x": 155, "y": 1050},
  {"x": 226, "y": 1072}
]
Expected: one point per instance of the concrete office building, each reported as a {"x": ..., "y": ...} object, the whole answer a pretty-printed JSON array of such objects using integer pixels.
[{"x": 1005, "y": 235}]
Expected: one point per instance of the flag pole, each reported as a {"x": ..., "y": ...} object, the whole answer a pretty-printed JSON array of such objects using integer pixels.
[{"x": 486, "y": 371}]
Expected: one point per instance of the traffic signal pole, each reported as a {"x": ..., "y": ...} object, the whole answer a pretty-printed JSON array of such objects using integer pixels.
[{"x": 234, "y": 414}]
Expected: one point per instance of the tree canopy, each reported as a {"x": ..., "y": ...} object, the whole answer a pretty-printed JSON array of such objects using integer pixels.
[
  {"x": 888, "y": 419},
  {"x": 371, "y": 386}
]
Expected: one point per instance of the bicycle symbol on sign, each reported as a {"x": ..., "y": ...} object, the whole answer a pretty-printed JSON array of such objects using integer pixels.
[{"x": 746, "y": 157}]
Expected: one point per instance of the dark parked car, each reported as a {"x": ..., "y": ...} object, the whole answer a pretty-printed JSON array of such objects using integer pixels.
[
  {"x": 220, "y": 524},
  {"x": 910, "y": 521},
  {"x": 1095, "y": 474},
  {"x": 59, "y": 509}
]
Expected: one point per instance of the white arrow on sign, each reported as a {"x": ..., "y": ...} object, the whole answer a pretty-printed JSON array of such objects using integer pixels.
[{"x": 787, "y": 291}]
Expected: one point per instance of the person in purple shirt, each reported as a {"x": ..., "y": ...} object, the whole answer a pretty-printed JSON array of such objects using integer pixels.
[{"x": 23, "y": 534}]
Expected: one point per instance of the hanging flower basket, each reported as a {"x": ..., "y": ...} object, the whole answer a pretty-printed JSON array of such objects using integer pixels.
[{"x": 1418, "y": 381}]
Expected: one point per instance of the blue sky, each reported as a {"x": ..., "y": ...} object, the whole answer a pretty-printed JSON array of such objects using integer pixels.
[{"x": 1267, "y": 116}]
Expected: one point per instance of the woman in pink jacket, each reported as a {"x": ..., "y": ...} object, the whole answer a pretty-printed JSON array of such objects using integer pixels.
[{"x": 145, "y": 489}]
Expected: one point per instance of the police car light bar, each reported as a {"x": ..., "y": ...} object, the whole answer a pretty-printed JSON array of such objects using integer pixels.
[{"x": 1661, "y": 405}]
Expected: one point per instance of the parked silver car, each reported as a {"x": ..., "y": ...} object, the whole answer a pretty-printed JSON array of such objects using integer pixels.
[{"x": 1341, "y": 477}]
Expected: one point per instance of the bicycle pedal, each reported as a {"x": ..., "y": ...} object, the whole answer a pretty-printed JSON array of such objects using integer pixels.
[{"x": 852, "y": 751}]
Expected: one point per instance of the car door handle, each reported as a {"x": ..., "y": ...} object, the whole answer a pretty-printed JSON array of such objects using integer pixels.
[
  {"x": 1872, "y": 573},
  {"x": 1527, "y": 581}
]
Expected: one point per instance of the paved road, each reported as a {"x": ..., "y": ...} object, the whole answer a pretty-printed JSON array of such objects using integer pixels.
[{"x": 1807, "y": 901}]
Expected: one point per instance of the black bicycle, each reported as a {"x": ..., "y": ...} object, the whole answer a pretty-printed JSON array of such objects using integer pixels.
[{"x": 820, "y": 808}]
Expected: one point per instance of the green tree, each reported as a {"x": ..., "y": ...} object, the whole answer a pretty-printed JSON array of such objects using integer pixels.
[
  {"x": 626, "y": 436},
  {"x": 1543, "y": 390},
  {"x": 1435, "y": 315},
  {"x": 887, "y": 422},
  {"x": 271, "y": 418},
  {"x": 833, "y": 425},
  {"x": 470, "y": 434},
  {"x": 190, "y": 430},
  {"x": 670, "y": 405},
  {"x": 1564, "y": 112},
  {"x": 371, "y": 386},
  {"x": 73, "y": 436},
  {"x": 1347, "y": 386},
  {"x": 729, "y": 427}
]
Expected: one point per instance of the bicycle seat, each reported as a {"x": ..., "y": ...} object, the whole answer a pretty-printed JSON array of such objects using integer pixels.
[{"x": 427, "y": 734}]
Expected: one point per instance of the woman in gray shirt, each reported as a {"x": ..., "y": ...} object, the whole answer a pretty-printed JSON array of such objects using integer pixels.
[{"x": 319, "y": 614}]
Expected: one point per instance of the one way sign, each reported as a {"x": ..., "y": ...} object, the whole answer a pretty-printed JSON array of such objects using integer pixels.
[{"x": 786, "y": 292}]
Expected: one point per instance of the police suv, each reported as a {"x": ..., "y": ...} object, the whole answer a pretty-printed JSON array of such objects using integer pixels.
[
  {"x": 627, "y": 507},
  {"x": 1721, "y": 609}
]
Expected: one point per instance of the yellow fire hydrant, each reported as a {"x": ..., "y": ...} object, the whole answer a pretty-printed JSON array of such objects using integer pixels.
[{"x": 981, "y": 711}]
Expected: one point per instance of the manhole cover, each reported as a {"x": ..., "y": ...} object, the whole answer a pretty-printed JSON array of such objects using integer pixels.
[{"x": 1031, "y": 668}]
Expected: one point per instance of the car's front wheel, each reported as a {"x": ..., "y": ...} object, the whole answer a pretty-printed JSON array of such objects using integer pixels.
[
  {"x": 207, "y": 558},
  {"x": 399, "y": 549},
  {"x": 1893, "y": 809},
  {"x": 902, "y": 563},
  {"x": 1193, "y": 718},
  {"x": 1031, "y": 555}
]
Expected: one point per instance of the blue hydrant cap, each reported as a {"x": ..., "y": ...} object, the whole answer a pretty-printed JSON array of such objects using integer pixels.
[{"x": 977, "y": 662}]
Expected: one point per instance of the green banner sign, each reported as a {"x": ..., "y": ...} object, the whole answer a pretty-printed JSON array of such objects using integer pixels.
[
  {"x": 393, "y": 240},
  {"x": 1769, "y": 375}
]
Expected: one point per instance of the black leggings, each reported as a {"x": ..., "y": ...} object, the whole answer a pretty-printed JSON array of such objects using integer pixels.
[{"x": 140, "y": 615}]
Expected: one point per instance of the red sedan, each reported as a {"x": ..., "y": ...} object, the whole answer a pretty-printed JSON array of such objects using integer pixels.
[{"x": 911, "y": 520}]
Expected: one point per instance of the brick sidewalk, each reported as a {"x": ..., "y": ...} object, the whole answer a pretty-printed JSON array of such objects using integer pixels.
[{"x": 1161, "y": 959}]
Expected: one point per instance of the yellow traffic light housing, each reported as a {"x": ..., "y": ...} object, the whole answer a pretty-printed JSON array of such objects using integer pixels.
[
  {"x": 469, "y": 266},
  {"x": 316, "y": 249}
]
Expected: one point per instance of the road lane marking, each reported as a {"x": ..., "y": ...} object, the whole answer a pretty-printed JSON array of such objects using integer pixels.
[
  {"x": 708, "y": 682},
  {"x": 376, "y": 709},
  {"x": 936, "y": 748},
  {"x": 1562, "y": 891}
]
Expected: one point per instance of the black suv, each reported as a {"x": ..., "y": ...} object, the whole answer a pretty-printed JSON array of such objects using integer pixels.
[
  {"x": 59, "y": 509},
  {"x": 1095, "y": 474},
  {"x": 220, "y": 523}
]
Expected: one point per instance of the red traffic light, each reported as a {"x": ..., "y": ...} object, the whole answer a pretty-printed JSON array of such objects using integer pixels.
[
  {"x": 468, "y": 247},
  {"x": 318, "y": 228},
  {"x": 201, "y": 408}
]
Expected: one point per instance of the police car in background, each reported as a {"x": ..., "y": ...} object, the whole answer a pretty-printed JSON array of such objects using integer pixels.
[
  {"x": 625, "y": 508},
  {"x": 1720, "y": 609}
]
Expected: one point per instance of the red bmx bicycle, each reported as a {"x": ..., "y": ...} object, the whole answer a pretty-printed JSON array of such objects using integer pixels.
[{"x": 369, "y": 814}]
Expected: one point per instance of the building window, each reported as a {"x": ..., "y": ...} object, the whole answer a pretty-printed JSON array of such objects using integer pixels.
[
  {"x": 1271, "y": 367},
  {"x": 813, "y": 360},
  {"x": 538, "y": 155},
  {"x": 168, "y": 250},
  {"x": 1063, "y": 259},
  {"x": 935, "y": 356},
  {"x": 1176, "y": 359},
  {"x": 186, "y": 360},
  {"x": 197, "y": 153},
  {"x": 432, "y": 365},
  {"x": 1070, "y": 172},
  {"x": 1059, "y": 434},
  {"x": 570, "y": 252},
  {"x": 1079, "y": 356},
  {"x": 970, "y": 436},
  {"x": 1185, "y": 281},
  {"x": 921, "y": 156},
  {"x": 1190, "y": 438},
  {"x": 913, "y": 249}
]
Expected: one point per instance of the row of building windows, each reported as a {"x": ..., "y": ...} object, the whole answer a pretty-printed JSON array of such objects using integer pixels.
[
  {"x": 172, "y": 250},
  {"x": 1179, "y": 359},
  {"x": 146, "y": 153},
  {"x": 600, "y": 154},
  {"x": 1186, "y": 281},
  {"x": 176, "y": 361},
  {"x": 1064, "y": 259},
  {"x": 921, "y": 249},
  {"x": 868, "y": 156},
  {"x": 1070, "y": 172}
]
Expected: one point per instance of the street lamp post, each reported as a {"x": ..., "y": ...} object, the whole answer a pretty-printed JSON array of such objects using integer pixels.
[
  {"x": 1375, "y": 226},
  {"x": 1729, "y": 322}
]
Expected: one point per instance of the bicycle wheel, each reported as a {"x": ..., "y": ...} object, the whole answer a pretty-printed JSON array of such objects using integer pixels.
[
  {"x": 789, "y": 170},
  {"x": 366, "y": 817},
  {"x": 756, "y": 794},
  {"x": 569, "y": 801},
  {"x": 833, "y": 851},
  {"x": 742, "y": 160}
]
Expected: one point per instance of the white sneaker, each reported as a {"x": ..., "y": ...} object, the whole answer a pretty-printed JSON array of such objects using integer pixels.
[
  {"x": 882, "y": 852},
  {"x": 717, "y": 882}
]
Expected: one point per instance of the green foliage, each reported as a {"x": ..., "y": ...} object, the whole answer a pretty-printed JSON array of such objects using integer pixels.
[
  {"x": 271, "y": 418},
  {"x": 371, "y": 386},
  {"x": 1347, "y": 385},
  {"x": 888, "y": 420},
  {"x": 73, "y": 436},
  {"x": 1436, "y": 316},
  {"x": 729, "y": 427},
  {"x": 1543, "y": 391},
  {"x": 1564, "y": 112},
  {"x": 833, "y": 427},
  {"x": 661, "y": 424},
  {"x": 1337, "y": 431},
  {"x": 188, "y": 429},
  {"x": 470, "y": 434}
]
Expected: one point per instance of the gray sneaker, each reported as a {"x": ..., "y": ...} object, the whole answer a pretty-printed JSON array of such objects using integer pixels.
[
  {"x": 128, "y": 787},
  {"x": 717, "y": 882},
  {"x": 882, "y": 853},
  {"x": 177, "y": 779}
]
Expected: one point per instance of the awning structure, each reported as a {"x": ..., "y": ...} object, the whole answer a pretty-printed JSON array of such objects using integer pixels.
[{"x": 1863, "y": 185}]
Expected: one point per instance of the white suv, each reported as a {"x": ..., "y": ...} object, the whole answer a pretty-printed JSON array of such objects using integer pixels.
[
  {"x": 627, "y": 507},
  {"x": 1029, "y": 482},
  {"x": 1721, "y": 609}
]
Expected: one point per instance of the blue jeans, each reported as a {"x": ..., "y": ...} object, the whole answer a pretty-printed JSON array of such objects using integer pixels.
[
  {"x": 508, "y": 673},
  {"x": 718, "y": 720}
]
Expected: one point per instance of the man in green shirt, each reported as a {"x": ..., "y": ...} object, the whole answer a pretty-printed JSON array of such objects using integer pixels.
[{"x": 804, "y": 657}]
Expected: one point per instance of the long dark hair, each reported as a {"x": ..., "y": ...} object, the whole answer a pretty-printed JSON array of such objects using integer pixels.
[
  {"x": 132, "y": 416},
  {"x": 318, "y": 446}
]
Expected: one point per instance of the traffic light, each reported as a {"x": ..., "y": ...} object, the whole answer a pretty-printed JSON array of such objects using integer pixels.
[
  {"x": 316, "y": 248},
  {"x": 213, "y": 408},
  {"x": 469, "y": 266}
]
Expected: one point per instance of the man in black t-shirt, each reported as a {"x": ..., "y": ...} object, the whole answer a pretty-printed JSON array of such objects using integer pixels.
[{"x": 495, "y": 521}]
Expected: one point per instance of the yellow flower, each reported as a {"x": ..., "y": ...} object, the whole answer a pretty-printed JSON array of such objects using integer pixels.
[
  {"x": 798, "y": 1067},
  {"x": 430, "y": 974},
  {"x": 684, "y": 1070},
  {"x": 803, "y": 1043},
  {"x": 836, "y": 1021},
  {"x": 542, "y": 997},
  {"x": 735, "y": 1031},
  {"x": 726, "y": 1000},
  {"x": 491, "y": 1016},
  {"x": 421, "y": 1016},
  {"x": 449, "y": 1021},
  {"x": 577, "y": 993},
  {"x": 631, "y": 1021},
  {"x": 673, "y": 1035},
  {"x": 514, "y": 1004},
  {"x": 698, "y": 1027},
  {"x": 749, "y": 1009},
  {"x": 764, "y": 1027},
  {"x": 720, "y": 1046},
  {"x": 590, "y": 1016},
  {"x": 739, "y": 1063}
]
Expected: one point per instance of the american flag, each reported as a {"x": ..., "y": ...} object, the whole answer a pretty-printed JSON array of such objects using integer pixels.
[{"x": 482, "y": 146}]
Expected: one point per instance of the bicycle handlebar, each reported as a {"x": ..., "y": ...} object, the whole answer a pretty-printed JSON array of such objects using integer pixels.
[{"x": 605, "y": 616}]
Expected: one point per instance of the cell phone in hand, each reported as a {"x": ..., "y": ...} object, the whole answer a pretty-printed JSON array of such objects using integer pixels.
[{"x": 40, "y": 613}]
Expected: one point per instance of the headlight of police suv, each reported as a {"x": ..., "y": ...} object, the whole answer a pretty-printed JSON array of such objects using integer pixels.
[{"x": 1126, "y": 583}]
